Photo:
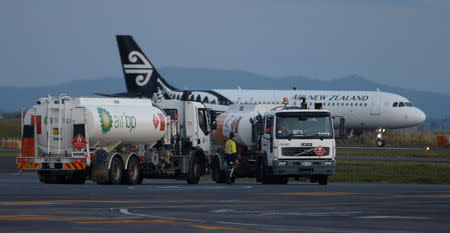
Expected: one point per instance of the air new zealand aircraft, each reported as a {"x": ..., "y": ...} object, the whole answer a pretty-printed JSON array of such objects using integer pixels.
[{"x": 361, "y": 109}]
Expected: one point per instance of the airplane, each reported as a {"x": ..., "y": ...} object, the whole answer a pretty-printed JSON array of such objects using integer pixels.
[{"x": 360, "y": 109}]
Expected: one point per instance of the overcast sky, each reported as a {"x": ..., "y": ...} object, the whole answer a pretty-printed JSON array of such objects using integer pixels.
[{"x": 400, "y": 43}]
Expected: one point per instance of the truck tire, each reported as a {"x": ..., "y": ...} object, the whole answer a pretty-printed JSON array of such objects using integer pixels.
[
  {"x": 116, "y": 171},
  {"x": 282, "y": 179},
  {"x": 323, "y": 179},
  {"x": 218, "y": 175},
  {"x": 195, "y": 171},
  {"x": 133, "y": 172},
  {"x": 263, "y": 178},
  {"x": 49, "y": 177},
  {"x": 78, "y": 177}
]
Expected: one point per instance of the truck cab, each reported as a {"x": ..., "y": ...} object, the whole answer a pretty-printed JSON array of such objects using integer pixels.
[{"x": 297, "y": 142}]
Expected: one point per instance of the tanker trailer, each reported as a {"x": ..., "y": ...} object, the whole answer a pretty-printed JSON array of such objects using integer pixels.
[
  {"x": 109, "y": 140},
  {"x": 277, "y": 142}
]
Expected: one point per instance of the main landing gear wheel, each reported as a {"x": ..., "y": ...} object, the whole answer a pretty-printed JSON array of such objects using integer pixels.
[{"x": 380, "y": 143}]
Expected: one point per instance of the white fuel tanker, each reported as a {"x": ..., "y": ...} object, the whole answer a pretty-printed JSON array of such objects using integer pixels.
[
  {"x": 114, "y": 140},
  {"x": 277, "y": 142}
]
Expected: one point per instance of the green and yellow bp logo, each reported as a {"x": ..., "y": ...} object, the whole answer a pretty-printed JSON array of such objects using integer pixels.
[{"x": 105, "y": 120}]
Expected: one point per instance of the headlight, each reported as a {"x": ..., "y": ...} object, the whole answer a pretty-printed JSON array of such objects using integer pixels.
[
  {"x": 282, "y": 163},
  {"x": 306, "y": 164},
  {"x": 328, "y": 163}
]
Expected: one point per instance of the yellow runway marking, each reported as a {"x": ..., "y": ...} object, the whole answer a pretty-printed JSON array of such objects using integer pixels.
[
  {"x": 280, "y": 205},
  {"x": 128, "y": 221},
  {"x": 220, "y": 228},
  {"x": 311, "y": 194},
  {"x": 160, "y": 221},
  {"x": 59, "y": 202},
  {"x": 438, "y": 195},
  {"x": 38, "y": 217}
]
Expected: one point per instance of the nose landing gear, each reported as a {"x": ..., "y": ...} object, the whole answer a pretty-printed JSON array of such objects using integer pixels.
[{"x": 380, "y": 141}]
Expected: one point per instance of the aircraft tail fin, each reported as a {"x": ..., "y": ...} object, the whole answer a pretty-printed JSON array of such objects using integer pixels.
[{"x": 141, "y": 77}]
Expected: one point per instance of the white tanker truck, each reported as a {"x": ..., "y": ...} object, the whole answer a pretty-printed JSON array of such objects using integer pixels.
[
  {"x": 114, "y": 140},
  {"x": 276, "y": 143}
]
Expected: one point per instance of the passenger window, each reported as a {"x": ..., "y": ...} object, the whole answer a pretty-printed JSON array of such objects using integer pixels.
[
  {"x": 401, "y": 104},
  {"x": 395, "y": 104}
]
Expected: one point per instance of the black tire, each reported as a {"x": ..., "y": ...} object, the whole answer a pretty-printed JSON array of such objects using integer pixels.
[
  {"x": 380, "y": 143},
  {"x": 263, "y": 178},
  {"x": 116, "y": 171},
  {"x": 195, "y": 171},
  {"x": 323, "y": 180},
  {"x": 78, "y": 178},
  {"x": 283, "y": 179},
  {"x": 218, "y": 175},
  {"x": 133, "y": 172},
  {"x": 49, "y": 177}
]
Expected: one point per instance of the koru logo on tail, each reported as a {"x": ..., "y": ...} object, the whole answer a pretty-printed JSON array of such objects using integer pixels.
[{"x": 141, "y": 69}]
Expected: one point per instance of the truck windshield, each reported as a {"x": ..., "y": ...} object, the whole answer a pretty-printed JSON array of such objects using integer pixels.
[{"x": 303, "y": 125}]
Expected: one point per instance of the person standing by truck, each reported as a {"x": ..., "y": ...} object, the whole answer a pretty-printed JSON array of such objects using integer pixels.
[{"x": 231, "y": 157}]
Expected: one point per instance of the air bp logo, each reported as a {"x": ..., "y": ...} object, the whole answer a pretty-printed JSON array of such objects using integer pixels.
[{"x": 105, "y": 120}]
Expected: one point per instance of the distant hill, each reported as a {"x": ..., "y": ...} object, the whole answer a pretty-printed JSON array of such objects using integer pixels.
[{"x": 435, "y": 105}]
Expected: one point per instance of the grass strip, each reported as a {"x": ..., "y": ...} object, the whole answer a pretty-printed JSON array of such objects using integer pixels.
[
  {"x": 392, "y": 172},
  {"x": 10, "y": 128},
  {"x": 394, "y": 153},
  {"x": 8, "y": 154}
]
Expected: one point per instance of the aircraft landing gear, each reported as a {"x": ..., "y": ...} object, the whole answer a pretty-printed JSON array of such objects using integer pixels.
[{"x": 380, "y": 141}]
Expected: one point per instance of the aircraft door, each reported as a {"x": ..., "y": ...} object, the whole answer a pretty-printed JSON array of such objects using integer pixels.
[{"x": 375, "y": 106}]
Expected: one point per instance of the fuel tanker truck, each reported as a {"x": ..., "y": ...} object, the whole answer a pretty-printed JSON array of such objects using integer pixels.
[
  {"x": 277, "y": 142},
  {"x": 114, "y": 140}
]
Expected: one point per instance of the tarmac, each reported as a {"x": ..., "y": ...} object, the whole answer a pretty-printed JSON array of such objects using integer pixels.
[{"x": 26, "y": 205}]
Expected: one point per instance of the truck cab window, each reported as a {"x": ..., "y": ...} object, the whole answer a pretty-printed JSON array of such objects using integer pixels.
[
  {"x": 173, "y": 113},
  {"x": 269, "y": 125},
  {"x": 202, "y": 122}
]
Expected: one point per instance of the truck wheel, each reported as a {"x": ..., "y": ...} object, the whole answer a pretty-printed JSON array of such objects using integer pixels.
[
  {"x": 263, "y": 178},
  {"x": 77, "y": 178},
  {"x": 116, "y": 171},
  {"x": 217, "y": 174},
  {"x": 195, "y": 171},
  {"x": 49, "y": 177},
  {"x": 133, "y": 173},
  {"x": 283, "y": 179},
  {"x": 323, "y": 180}
]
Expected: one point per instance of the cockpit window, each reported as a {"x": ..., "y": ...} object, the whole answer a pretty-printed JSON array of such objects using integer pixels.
[
  {"x": 401, "y": 104},
  {"x": 408, "y": 104},
  {"x": 395, "y": 104}
]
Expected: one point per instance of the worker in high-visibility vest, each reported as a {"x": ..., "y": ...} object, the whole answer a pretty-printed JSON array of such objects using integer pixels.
[{"x": 231, "y": 152}]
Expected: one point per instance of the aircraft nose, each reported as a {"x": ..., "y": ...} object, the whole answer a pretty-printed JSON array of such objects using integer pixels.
[{"x": 419, "y": 116}]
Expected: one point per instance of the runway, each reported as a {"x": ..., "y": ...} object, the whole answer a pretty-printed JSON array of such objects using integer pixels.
[{"x": 173, "y": 206}]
